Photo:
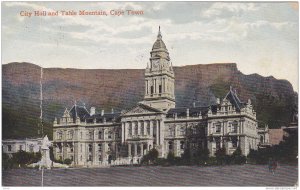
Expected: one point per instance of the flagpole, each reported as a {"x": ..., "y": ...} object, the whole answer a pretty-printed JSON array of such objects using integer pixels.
[{"x": 41, "y": 119}]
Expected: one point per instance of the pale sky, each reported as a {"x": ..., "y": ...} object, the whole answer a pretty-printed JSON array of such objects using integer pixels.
[{"x": 260, "y": 37}]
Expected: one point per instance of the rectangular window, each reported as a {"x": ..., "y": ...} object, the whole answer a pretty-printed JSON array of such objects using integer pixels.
[
  {"x": 90, "y": 148},
  {"x": 218, "y": 128},
  {"x": 182, "y": 131},
  {"x": 21, "y": 147},
  {"x": 70, "y": 135},
  {"x": 9, "y": 148},
  {"x": 234, "y": 129},
  {"x": 130, "y": 130},
  {"x": 151, "y": 90},
  {"x": 159, "y": 89},
  {"x": 181, "y": 145},
  {"x": 99, "y": 134},
  {"x": 91, "y": 135},
  {"x": 59, "y": 135},
  {"x": 31, "y": 148},
  {"x": 100, "y": 147},
  {"x": 136, "y": 130},
  {"x": 148, "y": 128},
  {"x": 234, "y": 142}
]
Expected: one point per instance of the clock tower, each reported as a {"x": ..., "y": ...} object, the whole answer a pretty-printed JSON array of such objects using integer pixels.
[{"x": 159, "y": 78}]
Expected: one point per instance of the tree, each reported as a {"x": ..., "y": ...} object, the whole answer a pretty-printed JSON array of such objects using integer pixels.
[
  {"x": 237, "y": 157},
  {"x": 221, "y": 155},
  {"x": 171, "y": 158},
  {"x": 203, "y": 154},
  {"x": 6, "y": 161},
  {"x": 186, "y": 156}
]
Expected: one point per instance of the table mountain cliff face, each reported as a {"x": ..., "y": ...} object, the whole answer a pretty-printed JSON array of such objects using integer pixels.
[{"x": 274, "y": 100}]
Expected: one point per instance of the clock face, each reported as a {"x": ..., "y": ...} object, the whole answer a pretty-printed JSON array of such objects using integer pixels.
[{"x": 155, "y": 64}]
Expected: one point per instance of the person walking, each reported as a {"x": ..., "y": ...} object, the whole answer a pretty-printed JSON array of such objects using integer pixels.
[
  {"x": 274, "y": 166},
  {"x": 270, "y": 164}
]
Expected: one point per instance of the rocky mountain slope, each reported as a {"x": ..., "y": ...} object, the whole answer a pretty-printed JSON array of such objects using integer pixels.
[{"x": 274, "y": 100}]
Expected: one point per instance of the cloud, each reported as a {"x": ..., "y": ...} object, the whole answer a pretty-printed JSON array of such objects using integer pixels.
[{"x": 218, "y": 9}]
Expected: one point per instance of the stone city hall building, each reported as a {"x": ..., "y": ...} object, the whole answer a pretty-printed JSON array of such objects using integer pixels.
[{"x": 95, "y": 139}]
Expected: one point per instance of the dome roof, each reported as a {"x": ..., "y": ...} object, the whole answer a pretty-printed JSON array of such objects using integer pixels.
[{"x": 159, "y": 44}]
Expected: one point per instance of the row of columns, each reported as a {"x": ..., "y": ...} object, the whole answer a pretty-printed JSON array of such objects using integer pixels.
[
  {"x": 136, "y": 147},
  {"x": 157, "y": 127}
]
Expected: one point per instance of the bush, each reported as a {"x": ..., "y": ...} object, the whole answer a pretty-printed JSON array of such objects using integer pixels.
[
  {"x": 151, "y": 157},
  {"x": 212, "y": 161},
  {"x": 67, "y": 161}
]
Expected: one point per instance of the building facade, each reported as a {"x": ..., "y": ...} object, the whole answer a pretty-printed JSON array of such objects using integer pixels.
[
  {"x": 95, "y": 139},
  {"x": 10, "y": 146}
]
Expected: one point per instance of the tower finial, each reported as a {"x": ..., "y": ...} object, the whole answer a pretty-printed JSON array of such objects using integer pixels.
[{"x": 159, "y": 33}]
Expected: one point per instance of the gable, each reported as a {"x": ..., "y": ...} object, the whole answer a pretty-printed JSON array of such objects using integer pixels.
[{"x": 141, "y": 109}]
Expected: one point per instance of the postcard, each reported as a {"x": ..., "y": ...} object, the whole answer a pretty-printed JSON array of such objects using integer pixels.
[{"x": 150, "y": 93}]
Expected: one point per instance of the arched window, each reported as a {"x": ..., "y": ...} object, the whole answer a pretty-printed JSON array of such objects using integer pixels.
[
  {"x": 261, "y": 139},
  {"x": 109, "y": 136}
]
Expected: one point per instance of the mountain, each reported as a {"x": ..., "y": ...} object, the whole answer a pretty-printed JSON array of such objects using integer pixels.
[{"x": 274, "y": 100}]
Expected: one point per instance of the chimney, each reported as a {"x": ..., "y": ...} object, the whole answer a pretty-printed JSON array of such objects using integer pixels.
[
  {"x": 249, "y": 101},
  {"x": 102, "y": 112},
  {"x": 187, "y": 112},
  {"x": 92, "y": 111}
]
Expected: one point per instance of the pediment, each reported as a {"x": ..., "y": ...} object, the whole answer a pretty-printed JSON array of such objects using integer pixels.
[{"x": 141, "y": 109}]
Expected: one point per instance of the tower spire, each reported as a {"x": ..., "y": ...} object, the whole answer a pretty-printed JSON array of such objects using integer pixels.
[{"x": 159, "y": 33}]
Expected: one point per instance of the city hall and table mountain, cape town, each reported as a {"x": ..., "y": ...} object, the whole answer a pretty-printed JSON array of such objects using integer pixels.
[{"x": 95, "y": 139}]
